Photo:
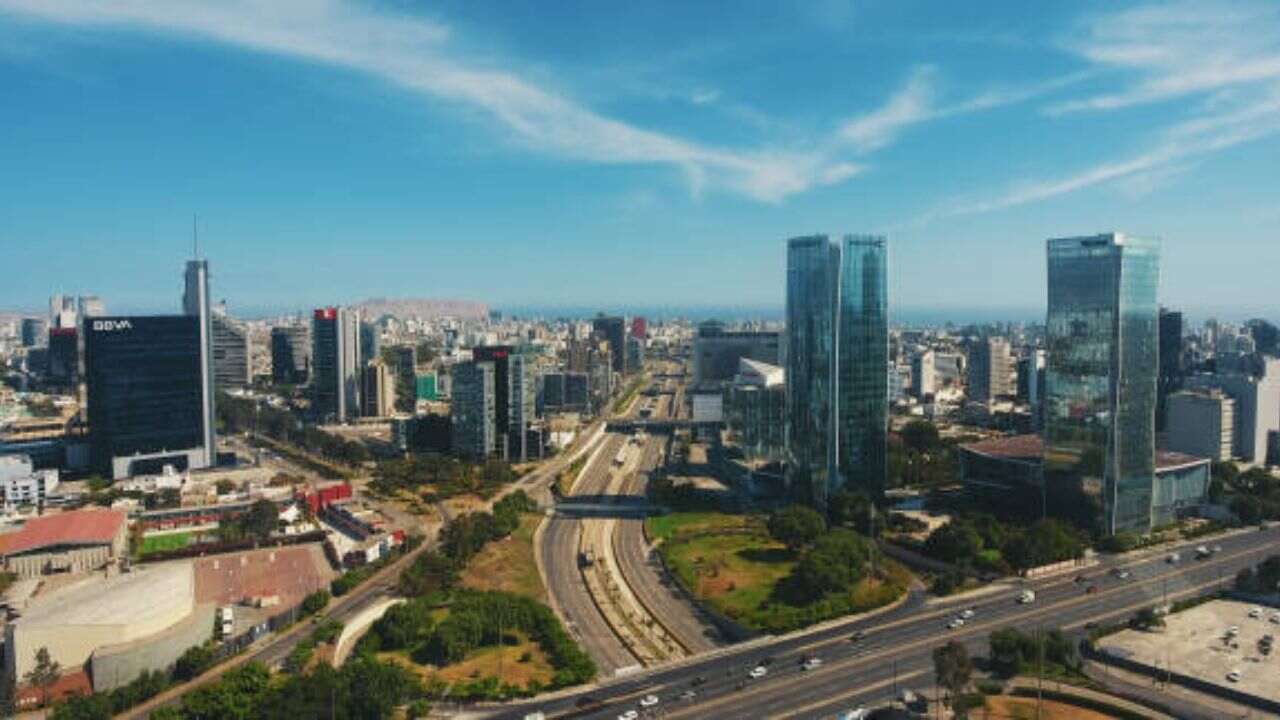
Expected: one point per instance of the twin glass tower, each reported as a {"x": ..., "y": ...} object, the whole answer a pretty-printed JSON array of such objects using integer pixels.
[{"x": 837, "y": 365}]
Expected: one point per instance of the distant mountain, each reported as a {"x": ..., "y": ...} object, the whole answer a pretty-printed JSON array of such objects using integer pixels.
[{"x": 422, "y": 308}]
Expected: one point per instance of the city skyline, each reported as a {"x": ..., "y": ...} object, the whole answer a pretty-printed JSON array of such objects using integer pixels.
[{"x": 382, "y": 159}]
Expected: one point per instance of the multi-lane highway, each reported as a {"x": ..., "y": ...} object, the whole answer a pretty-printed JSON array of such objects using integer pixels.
[
  {"x": 644, "y": 574},
  {"x": 894, "y": 651}
]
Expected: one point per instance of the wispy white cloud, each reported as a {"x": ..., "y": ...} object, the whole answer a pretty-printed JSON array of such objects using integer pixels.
[
  {"x": 916, "y": 102},
  {"x": 1178, "y": 49},
  {"x": 416, "y": 54},
  {"x": 704, "y": 97},
  {"x": 1221, "y": 60}
]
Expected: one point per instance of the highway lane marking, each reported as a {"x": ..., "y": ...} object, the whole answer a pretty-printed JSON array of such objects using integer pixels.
[
  {"x": 843, "y": 696},
  {"x": 849, "y": 663}
]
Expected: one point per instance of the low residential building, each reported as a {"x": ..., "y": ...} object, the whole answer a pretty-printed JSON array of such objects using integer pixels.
[{"x": 22, "y": 484}]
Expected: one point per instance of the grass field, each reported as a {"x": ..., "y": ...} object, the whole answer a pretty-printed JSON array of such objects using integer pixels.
[
  {"x": 162, "y": 543},
  {"x": 663, "y": 527},
  {"x": 508, "y": 564},
  {"x": 731, "y": 563},
  {"x": 1025, "y": 709},
  {"x": 501, "y": 662}
]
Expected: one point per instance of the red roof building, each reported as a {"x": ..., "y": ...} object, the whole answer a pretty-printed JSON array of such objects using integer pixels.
[{"x": 75, "y": 541}]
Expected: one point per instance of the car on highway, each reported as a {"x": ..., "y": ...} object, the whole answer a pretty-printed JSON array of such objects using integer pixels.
[
  {"x": 1233, "y": 631},
  {"x": 688, "y": 695},
  {"x": 629, "y": 715},
  {"x": 1026, "y": 597},
  {"x": 1123, "y": 575},
  {"x": 955, "y": 624},
  {"x": 758, "y": 672},
  {"x": 698, "y": 681},
  {"x": 967, "y": 613},
  {"x": 857, "y": 636},
  {"x": 811, "y": 663},
  {"x": 1234, "y": 676},
  {"x": 1173, "y": 558},
  {"x": 1202, "y": 552},
  {"x": 648, "y": 701}
]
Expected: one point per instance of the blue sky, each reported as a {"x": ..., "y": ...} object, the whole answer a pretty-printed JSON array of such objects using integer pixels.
[{"x": 629, "y": 155}]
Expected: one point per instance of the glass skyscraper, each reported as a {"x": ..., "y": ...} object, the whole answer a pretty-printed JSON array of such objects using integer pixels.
[
  {"x": 1100, "y": 380},
  {"x": 837, "y": 365}
]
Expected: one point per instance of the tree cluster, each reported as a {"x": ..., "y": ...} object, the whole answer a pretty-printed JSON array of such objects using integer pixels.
[
  {"x": 239, "y": 415},
  {"x": 446, "y": 476},
  {"x": 831, "y": 561},
  {"x": 1263, "y": 578},
  {"x": 983, "y": 542},
  {"x": 1013, "y": 651},
  {"x": 1253, "y": 495},
  {"x": 919, "y": 457}
]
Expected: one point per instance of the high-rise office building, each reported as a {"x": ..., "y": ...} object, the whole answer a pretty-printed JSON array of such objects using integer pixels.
[
  {"x": 33, "y": 332},
  {"x": 515, "y": 397},
  {"x": 717, "y": 352},
  {"x": 991, "y": 370},
  {"x": 473, "y": 410},
  {"x": 195, "y": 303},
  {"x": 1255, "y": 388},
  {"x": 146, "y": 387},
  {"x": 837, "y": 365},
  {"x": 370, "y": 341},
  {"x": 335, "y": 364},
  {"x": 290, "y": 354},
  {"x": 231, "y": 353},
  {"x": 639, "y": 327},
  {"x": 63, "y": 356},
  {"x": 1100, "y": 379},
  {"x": 1202, "y": 424},
  {"x": 379, "y": 392},
  {"x": 614, "y": 331},
  {"x": 924, "y": 381},
  {"x": 1171, "y": 371}
]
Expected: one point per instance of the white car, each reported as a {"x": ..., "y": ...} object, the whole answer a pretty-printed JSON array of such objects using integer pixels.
[
  {"x": 629, "y": 715},
  {"x": 956, "y": 623},
  {"x": 1275, "y": 618},
  {"x": 811, "y": 663},
  {"x": 1234, "y": 676},
  {"x": 648, "y": 701},
  {"x": 1027, "y": 597},
  {"x": 1173, "y": 558},
  {"x": 1255, "y": 612},
  {"x": 854, "y": 714},
  {"x": 758, "y": 672},
  {"x": 1233, "y": 631},
  {"x": 966, "y": 613}
]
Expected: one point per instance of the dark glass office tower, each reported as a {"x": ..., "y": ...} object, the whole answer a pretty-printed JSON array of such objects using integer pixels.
[
  {"x": 614, "y": 330},
  {"x": 1170, "y": 380},
  {"x": 144, "y": 384},
  {"x": 1100, "y": 380},
  {"x": 335, "y": 364},
  {"x": 837, "y": 365}
]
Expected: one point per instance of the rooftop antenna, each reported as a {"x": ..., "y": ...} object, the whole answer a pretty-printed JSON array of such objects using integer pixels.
[{"x": 195, "y": 238}]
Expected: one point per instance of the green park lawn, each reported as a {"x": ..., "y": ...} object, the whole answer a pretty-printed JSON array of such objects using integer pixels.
[{"x": 164, "y": 543}]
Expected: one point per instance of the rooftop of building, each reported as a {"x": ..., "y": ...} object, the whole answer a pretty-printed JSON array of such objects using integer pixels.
[
  {"x": 146, "y": 600},
  {"x": 1030, "y": 448},
  {"x": 77, "y": 527}
]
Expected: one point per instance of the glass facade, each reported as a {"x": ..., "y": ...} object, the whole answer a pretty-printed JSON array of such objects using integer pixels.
[
  {"x": 837, "y": 365},
  {"x": 1100, "y": 379},
  {"x": 863, "y": 361},
  {"x": 143, "y": 380}
]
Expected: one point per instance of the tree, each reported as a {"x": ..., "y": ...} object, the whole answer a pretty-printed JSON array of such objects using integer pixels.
[
  {"x": 796, "y": 527},
  {"x": 1248, "y": 508},
  {"x": 191, "y": 663},
  {"x": 855, "y": 509},
  {"x": 836, "y": 561},
  {"x": 955, "y": 542},
  {"x": 261, "y": 519},
  {"x": 237, "y": 696},
  {"x": 97, "y": 706},
  {"x": 920, "y": 436},
  {"x": 315, "y": 602},
  {"x": 44, "y": 674},
  {"x": 953, "y": 667},
  {"x": 1146, "y": 619}
]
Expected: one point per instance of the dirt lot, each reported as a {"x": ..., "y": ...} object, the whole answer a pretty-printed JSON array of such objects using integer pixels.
[{"x": 1025, "y": 709}]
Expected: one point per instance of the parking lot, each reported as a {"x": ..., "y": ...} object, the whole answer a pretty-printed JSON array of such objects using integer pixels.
[{"x": 1210, "y": 642}]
